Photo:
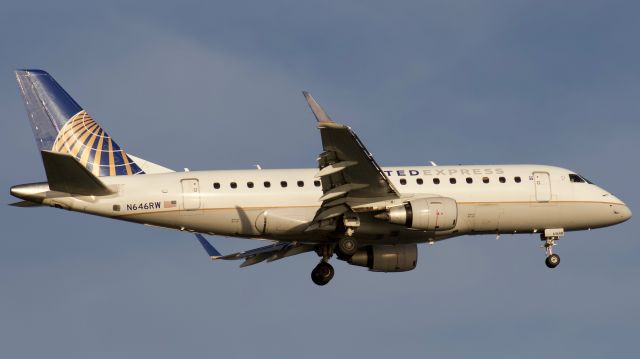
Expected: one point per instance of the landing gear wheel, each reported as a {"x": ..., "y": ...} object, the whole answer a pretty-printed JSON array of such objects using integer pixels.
[
  {"x": 347, "y": 246},
  {"x": 322, "y": 273},
  {"x": 552, "y": 261}
]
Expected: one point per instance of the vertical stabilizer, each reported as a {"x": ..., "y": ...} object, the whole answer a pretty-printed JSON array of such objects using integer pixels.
[{"x": 60, "y": 125}]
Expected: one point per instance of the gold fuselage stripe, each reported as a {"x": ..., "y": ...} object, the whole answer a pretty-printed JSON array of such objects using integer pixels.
[{"x": 318, "y": 206}]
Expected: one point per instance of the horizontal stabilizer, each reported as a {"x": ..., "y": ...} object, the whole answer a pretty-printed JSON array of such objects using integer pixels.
[
  {"x": 25, "y": 204},
  {"x": 66, "y": 174},
  {"x": 268, "y": 253}
]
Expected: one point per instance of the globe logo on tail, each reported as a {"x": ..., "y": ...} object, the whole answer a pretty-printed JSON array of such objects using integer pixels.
[{"x": 85, "y": 140}]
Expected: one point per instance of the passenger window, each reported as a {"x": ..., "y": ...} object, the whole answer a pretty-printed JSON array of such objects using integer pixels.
[
  {"x": 283, "y": 184},
  {"x": 267, "y": 184},
  {"x": 250, "y": 184},
  {"x": 502, "y": 180},
  {"x": 469, "y": 180},
  {"x": 419, "y": 181},
  {"x": 485, "y": 179},
  {"x": 316, "y": 183},
  {"x": 517, "y": 179},
  {"x": 436, "y": 181},
  {"x": 216, "y": 185},
  {"x": 403, "y": 181},
  {"x": 300, "y": 184},
  {"x": 234, "y": 185},
  {"x": 452, "y": 180}
]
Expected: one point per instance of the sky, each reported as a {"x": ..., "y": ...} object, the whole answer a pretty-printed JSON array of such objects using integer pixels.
[{"x": 216, "y": 85}]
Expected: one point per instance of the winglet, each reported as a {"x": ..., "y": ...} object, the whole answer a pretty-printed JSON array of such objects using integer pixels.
[
  {"x": 321, "y": 116},
  {"x": 211, "y": 250}
]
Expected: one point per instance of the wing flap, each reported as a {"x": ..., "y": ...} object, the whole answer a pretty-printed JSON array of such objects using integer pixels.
[
  {"x": 335, "y": 168},
  {"x": 342, "y": 190}
]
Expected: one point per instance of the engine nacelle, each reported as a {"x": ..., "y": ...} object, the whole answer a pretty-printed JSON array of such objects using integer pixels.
[
  {"x": 431, "y": 214},
  {"x": 392, "y": 258}
]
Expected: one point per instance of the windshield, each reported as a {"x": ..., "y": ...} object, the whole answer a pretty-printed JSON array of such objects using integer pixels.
[{"x": 578, "y": 179}]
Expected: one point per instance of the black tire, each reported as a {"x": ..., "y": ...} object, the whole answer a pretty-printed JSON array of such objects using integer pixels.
[
  {"x": 552, "y": 261},
  {"x": 347, "y": 246},
  {"x": 322, "y": 273}
]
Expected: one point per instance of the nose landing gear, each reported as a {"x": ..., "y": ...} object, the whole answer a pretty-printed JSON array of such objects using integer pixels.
[
  {"x": 552, "y": 260},
  {"x": 550, "y": 236}
]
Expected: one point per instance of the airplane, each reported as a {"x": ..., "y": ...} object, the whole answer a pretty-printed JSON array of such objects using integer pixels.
[{"x": 349, "y": 206}]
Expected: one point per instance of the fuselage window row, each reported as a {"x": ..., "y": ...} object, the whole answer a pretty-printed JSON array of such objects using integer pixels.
[
  {"x": 453, "y": 180},
  {"x": 403, "y": 181},
  {"x": 267, "y": 184}
]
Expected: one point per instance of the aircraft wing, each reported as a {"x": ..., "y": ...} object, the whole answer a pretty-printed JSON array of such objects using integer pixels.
[
  {"x": 349, "y": 173},
  {"x": 254, "y": 256}
]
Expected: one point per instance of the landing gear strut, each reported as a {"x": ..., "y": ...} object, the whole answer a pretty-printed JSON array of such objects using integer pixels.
[{"x": 549, "y": 239}]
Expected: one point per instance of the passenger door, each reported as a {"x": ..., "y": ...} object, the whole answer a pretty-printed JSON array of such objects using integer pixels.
[
  {"x": 542, "y": 185},
  {"x": 190, "y": 194}
]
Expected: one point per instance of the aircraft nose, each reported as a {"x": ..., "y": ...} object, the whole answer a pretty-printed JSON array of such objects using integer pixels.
[
  {"x": 621, "y": 212},
  {"x": 625, "y": 213}
]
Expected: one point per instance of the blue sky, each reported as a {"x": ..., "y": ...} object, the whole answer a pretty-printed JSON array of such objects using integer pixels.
[{"x": 216, "y": 85}]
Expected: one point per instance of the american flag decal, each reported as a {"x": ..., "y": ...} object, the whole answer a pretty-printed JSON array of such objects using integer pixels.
[{"x": 170, "y": 204}]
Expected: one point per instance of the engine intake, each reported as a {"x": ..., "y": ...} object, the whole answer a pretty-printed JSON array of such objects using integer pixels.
[
  {"x": 431, "y": 214},
  {"x": 392, "y": 258}
]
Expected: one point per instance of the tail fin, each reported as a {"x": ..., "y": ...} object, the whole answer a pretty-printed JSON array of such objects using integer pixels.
[{"x": 61, "y": 125}]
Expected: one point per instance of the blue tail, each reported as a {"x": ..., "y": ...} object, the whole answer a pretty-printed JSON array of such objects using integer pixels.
[{"x": 61, "y": 125}]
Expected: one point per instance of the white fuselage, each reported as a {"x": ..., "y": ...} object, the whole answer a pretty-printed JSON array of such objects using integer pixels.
[{"x": 279, "y": 204}]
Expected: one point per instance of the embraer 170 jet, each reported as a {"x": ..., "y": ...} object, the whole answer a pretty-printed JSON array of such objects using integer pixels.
[{"x": 366, "y": 215}]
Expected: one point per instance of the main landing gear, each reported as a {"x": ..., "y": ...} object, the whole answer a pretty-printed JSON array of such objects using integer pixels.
[
  {"x": 550, "y": 237},
  {"x": 323, "y": 272},
  {"x": 347, "y": 246}
]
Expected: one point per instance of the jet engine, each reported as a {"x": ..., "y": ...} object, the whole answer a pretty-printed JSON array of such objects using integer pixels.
[
  {"x": 431, "y": 214},
  {"x": 391, "y": 258}
]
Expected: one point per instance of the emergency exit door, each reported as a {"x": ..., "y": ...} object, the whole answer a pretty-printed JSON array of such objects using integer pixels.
[
  {"x": 190, "y": 194},
  {"x": 542, "y": 184}
]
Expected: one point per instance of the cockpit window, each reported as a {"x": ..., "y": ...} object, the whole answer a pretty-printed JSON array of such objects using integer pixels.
[
  {"x": 578, "y": 179},
  {"x": 575, "y": 178}
]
